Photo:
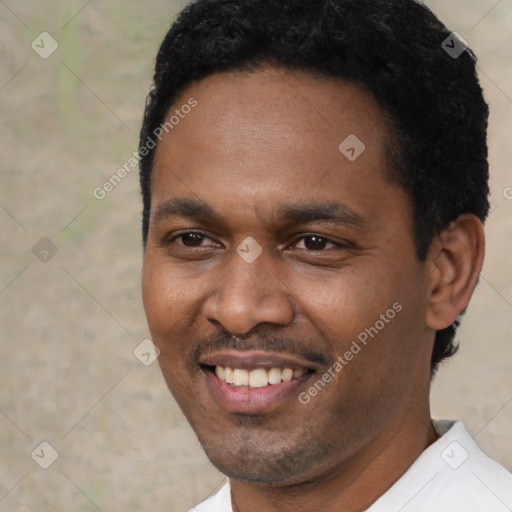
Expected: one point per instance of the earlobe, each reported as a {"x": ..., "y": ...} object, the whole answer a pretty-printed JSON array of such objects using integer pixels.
[{"x": 456, "y": 259}]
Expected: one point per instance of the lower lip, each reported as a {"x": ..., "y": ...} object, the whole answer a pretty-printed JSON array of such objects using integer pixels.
[{"x": 255, "y": 400}]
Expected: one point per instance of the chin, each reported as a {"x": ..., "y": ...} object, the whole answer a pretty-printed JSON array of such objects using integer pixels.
[{"x": 259, "y": 462}]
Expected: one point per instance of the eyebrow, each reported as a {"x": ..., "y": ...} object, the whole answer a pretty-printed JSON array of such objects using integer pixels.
[{"x": 296, "y": 213}]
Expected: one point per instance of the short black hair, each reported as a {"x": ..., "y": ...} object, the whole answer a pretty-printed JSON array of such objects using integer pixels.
[{"x": 396, "y": 49}]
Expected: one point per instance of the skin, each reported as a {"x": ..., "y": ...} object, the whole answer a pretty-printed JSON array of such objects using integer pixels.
[{"x": 256, "y": 141}]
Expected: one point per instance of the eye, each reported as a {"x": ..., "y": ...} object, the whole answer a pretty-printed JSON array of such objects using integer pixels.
[
  {"x": 188, "y": 239},
  {"x": 313, "y": 242}
]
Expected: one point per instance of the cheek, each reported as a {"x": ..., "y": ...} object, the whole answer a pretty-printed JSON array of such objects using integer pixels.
[
  {"x": 163, "y": 299},
  {"x": 369, "y": 317},
  {"x": 172, "y": 302},
  {"x": 344, "y": 303},
  {"x": 166, "y": 302},
  {"x": 153, "y": 293},
  {"x": 165, "y": 295},
  {"x": 383, "y": 338}
]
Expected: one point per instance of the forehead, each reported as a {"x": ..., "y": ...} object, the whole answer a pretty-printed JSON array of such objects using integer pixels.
[
  {"x": 270, "y": 134},
  {"x": 241, "y": 104}
]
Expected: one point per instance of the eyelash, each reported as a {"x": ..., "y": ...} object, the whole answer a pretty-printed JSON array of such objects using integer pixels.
[{"x": 337, "y": 245}]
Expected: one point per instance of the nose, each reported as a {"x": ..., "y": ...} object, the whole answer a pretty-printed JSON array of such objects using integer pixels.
[{"x": 247, "y": 295}]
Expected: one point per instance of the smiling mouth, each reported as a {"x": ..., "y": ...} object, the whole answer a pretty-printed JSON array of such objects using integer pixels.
[
  {"x": 256, "y": 378},
  {"x": 255, "y": 381}
]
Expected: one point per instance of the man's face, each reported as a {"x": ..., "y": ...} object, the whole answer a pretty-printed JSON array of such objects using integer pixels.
[{"x": 330, "y": 252}]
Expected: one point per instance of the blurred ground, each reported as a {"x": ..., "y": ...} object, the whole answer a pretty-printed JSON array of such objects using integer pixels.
[{"x": 69, "y": 325}]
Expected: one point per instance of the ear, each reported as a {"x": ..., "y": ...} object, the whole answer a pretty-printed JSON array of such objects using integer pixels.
[{"x": 454, "y": 263}]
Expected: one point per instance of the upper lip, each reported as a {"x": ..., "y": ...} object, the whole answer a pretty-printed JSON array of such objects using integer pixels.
[{"x": 255, "y": 359}]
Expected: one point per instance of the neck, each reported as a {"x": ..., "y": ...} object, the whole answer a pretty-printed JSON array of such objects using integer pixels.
[{"x": 356, "y": 482}]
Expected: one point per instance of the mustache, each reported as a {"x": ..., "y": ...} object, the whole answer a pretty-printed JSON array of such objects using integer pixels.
[{"x": 267, "y": 342}]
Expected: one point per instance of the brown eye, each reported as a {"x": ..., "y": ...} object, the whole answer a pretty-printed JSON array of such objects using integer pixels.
[
  {"x": 187, "y": 239},
  {"x": 315, "y": 242},
  {"x": 191, "y": 239}
]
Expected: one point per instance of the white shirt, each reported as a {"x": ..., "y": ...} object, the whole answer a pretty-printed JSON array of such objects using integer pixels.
[{"x": 451, "y": 475}]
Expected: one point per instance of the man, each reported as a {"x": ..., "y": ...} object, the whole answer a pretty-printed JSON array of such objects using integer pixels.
[{"x": 314, "y": 177}]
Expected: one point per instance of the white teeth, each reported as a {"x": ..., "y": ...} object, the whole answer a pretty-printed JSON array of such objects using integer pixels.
[
  {"x": 240, "y": 377},
  {"x": 228, "y": 375},
  {"x": 274, "y": 375},
  {"x": 287, "y": 374},
  {"x": 257, "y": 378}
]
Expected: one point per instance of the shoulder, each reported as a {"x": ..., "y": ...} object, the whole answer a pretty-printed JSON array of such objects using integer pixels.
[
  {"x": 479, "y": 480},
  {"x": 453, "y": 474}
]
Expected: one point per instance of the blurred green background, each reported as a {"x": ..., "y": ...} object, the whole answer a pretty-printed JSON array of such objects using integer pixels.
[{"x": 70, "y": 321}]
